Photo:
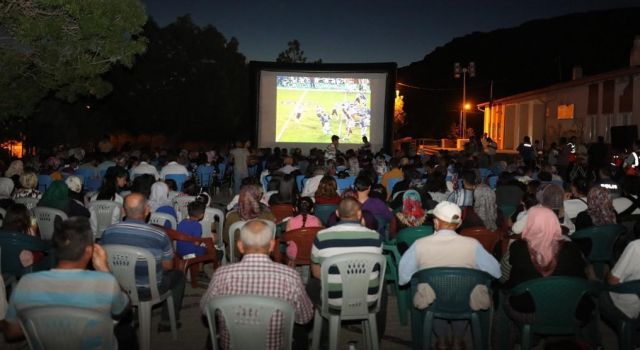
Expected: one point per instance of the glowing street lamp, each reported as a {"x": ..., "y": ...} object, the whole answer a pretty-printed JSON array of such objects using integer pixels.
[{"x": 459, "y": 71}]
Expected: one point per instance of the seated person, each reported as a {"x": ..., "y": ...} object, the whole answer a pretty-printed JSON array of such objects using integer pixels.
[
  {"x": 614, "y": 306},
  {"x": 485, "y": 213},
  {"x": 599, "y": 211},
  {"x": 191, "y": 226},
  {"x": 57, "y": 196},
  {"x": 70, "y": 283},
  {"x": 411, "y": 214},
  {"x": 159, "y": 201},
  {"x": 327, "y": 192},
  {"x": 304, "y": 216}
]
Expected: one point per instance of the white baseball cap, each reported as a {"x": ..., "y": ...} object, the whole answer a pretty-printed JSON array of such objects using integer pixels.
[{"x": 448, "y": 212}]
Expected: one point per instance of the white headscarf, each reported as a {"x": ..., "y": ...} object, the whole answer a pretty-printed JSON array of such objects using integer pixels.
[
  {"x": 159, "y": 196},
  {"x": 6, "y": 187}
]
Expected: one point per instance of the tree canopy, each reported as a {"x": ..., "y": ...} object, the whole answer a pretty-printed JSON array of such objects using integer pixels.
[
  {"x": 63, "y": 47},
  {"x": 293, "y": 54}
]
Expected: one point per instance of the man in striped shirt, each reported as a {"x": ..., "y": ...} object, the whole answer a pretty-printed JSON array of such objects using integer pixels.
[
  {"x": 256, "y": 274},
  {"x": 70, "y": 283},
  {"x": 349, "y": 236}
]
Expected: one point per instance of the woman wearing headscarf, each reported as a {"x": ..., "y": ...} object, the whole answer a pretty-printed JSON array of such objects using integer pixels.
[
  {"x": 411, "y": 214},
  {"x": 16, "y": 168},
  {"x": 599, "y": 211},
  {"x": 159, "y": 201},
  {"x": 57, "y": 196},
  {"x": 6, "y": 189},
  {"x": 249, "y": 207},
  {"x": 485, "y": 211},
  {"x": 542, "y": 252}
]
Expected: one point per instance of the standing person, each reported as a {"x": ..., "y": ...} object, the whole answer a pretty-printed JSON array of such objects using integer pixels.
[
  {"x": 240, "y": 156},
  {"x": 332, "y": 151},
  {"x": 526, "y": 151}
]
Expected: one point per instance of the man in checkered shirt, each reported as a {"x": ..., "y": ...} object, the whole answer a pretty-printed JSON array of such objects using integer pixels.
[{"x": 256, "y": 274}]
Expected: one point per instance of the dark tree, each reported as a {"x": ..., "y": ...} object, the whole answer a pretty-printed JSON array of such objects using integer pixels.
[{"x": 293, "y": 54}]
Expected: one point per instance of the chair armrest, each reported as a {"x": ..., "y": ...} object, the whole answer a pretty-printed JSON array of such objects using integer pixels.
[{"x": 630, "y": 287}]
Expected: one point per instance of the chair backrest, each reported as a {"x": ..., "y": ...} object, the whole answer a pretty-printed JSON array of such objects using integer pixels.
[
  {"x": 345, "y": 183},
  {"x": 105, "y": 213},
  {"x": 235, "y": 227},
  {"x": 409, "y": 235},
  {"x": 92, "y": 183},
  {"x": 303, "y": 238},
  {"x": 12, "y": 244},
  {"x": 603, "y": 239},
  {"x": 248, "y": 320},
  {"x": 486, "y": 237},
  {"x": 391, "y": 183},
  {"x": 299, "y": 183},
  {"x": 210, "y": 215},
  {"x": 556, "y": 299},
  {"x": 44, "y": 181},
  {"x": 628, "y": 287},
  {"x": 493, "y": 181},
  {"x": 180, "y": 204},
  {"x": 323, "y": 212},
  {"x": 204, "y": 175},
  {"x": 178, "y": 178},
  {"x": 281, "y": 211},
  {"x": 222, "y": 167},
  {"x": 160, "y": 219},
  {"x": 28, "y": 202},
  {"x": 86, "y": 173},
  {"x": 383, "y": 226},
  {"x": 46, "y": 220},
  {"x": 122, "y": 263},
  {"x": 452, "y": 286},
  {"x": 393, "y": 257},
  {"x": 355, "y": 272},
  {"x": 67, "y": 327}
]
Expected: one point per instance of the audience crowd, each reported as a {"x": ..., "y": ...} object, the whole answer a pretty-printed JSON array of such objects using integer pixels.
[{"x": 530, "y": 205}]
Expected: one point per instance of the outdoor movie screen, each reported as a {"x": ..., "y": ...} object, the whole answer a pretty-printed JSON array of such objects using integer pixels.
[
  {"x": 304, "y": 109},
  {"x": 312, "y": 109}
]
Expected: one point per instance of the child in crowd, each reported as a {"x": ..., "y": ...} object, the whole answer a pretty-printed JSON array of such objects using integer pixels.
[
  {"x": 304, "y": 217},
  {"x": 191, "y": 226}
]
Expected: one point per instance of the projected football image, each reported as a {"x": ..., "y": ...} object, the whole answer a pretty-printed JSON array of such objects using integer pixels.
[{"x": 311, "y": 109}]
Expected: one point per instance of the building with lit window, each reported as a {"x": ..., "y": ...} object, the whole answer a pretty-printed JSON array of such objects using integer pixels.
[{"x": 586, "y": 107}]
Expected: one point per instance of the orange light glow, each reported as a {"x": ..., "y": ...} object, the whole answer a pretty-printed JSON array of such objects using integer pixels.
[{"x": 13, "y": 147}]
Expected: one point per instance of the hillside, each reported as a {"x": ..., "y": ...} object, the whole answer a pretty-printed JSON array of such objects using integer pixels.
[{"x": 535, "y": 54}]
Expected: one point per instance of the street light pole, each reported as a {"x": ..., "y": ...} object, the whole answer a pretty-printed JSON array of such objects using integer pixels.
[{"x": 457, "y": 71}]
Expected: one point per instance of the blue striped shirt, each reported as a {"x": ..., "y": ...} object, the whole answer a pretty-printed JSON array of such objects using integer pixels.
[{"x": 139, "y": 234}]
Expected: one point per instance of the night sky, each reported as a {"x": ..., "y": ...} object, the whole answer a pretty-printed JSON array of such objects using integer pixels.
[{"x": 400, "y": 31}]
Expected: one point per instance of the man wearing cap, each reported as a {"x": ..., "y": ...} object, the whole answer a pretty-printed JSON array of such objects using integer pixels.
[{"x": 445, "y": 248}]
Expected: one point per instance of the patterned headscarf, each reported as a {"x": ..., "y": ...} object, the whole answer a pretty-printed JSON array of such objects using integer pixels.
[
  {"x": 543, "y": 235},
  {"x": 484, "y": 205},
  {"x": 412, "y": 212},
  {"x": 600, "y": 207},
  {"x": 249, "y": 202}
]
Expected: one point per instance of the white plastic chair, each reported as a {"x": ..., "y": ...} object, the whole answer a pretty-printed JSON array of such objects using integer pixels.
[
  {"x": 210, "y": 215},
  {"x": 46, "y": 220},
  {"x": 122, "y": 262},
  {"x": 355, "y": 271},
  {"x": 248, "y": 319},
  {"x": 180, "y": 205},
  {"x": 28, "y": 202},
  {"x": 67, "y": 327},
  {"x": 104, "y": 214},
  {"x": 160, "y": 218}
]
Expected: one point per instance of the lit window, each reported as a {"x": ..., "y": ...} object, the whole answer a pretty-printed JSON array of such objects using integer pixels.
[{"x": 565, "y": 111}]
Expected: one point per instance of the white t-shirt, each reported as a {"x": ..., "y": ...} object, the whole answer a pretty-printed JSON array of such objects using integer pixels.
[
  {"x": 174, "y": 168},
  {"x": 240, "y": 156},
  {"x": 311, "y": 186},
  {"x": 573, "y": 207},
  {"x": 628, "y": 269}
]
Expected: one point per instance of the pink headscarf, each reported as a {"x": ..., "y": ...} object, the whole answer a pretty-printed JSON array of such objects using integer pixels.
[{"x": 543, "y": 235}]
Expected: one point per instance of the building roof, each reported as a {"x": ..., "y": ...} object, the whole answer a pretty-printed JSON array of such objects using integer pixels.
[{"x": 567, "y": 84}]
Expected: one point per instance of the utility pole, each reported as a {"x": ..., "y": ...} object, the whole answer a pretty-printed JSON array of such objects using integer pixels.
[{"x": 463, "y": 71}]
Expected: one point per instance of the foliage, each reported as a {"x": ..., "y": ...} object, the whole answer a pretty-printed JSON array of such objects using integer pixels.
[
  {"x": 293, "y": 54},
  {"x": 399, "y": 115},
  {"x": 63, "y": 46}
]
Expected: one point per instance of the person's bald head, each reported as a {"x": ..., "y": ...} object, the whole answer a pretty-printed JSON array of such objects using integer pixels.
[
  {"x": 349, "y": 209},
  {"x": 135, "y": 206},
  {"x": 256, "y": 237}
]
